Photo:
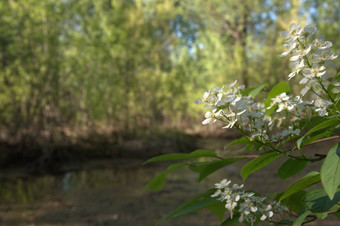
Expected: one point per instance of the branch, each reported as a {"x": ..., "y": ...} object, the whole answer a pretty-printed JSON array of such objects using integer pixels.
[
  {"x": 233, "y": 32},
  {"x": 249, "y": 156},
  {"x": 322, "y": 140},
  {"x": 313, "y": 218}
]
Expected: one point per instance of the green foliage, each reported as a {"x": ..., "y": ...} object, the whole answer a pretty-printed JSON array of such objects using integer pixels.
[
  {"x": 258, "y": 163},
  {"x": 218, "y": 210},
  {"x": 242, "y": 140},
  {"x": 254, "y": 91},
  {"x": 301, "y": 218},
  {"x": 282, "y": 87},
  {"x": 231, "y": 221},
  {"x": 207, "y": 168},
  {"x": 305, "y": 182},
  {"x": 317, "y": 201},
  {"x": 330, "y": 171},
  {"x": 131, "y": 64},
  {"x": 307, "y": 204},
  {"x": 295, "y": 202},
  {"x": 158, "y": 181},
  {"x": 182, "y": 156},
  {"x": 327, "y": 125},
  {"x": 291, "y": 167}
]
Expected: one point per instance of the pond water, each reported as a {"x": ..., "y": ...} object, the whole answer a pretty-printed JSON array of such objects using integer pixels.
[{"x": 109, "y": 192}]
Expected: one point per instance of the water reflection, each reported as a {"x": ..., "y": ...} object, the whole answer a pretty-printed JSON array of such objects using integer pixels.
[
  {"x": 106, "y": 194},
  {"x": 66, "y": 183},
  {"x": 25, "y": 190}
]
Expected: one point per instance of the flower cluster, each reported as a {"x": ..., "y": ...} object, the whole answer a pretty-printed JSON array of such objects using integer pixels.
[
  {"x": 313, "y": 61},
  {"x": 227, "y": 104},
  {"x": 247, "y": 204},
  {"x": 295, "y": 106}
]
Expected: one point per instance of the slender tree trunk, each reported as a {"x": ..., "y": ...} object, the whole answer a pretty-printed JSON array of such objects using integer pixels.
[{"x": 243, "y": 40}]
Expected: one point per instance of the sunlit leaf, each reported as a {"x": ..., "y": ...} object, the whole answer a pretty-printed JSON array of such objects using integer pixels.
[
  {"x": 330, "y": 171},
  {"x": 308, "y": 180},
  {"x": 328, "y": 124},
  {"x": 247, "y": 148},
  {"x": 301, "y": 218},
  {"x": 242, "y": 140},
  {"x": 282, "y": 87},
  {"x": 321, "y": 215},
  {"x": 254, "y": 91}
]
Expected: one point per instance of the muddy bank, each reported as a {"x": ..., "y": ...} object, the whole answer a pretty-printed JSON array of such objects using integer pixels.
[{"x": 61, "y": 157}]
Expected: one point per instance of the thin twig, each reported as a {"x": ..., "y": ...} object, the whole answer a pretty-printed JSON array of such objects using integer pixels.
[
  {"x": 313, "y": 218},
  {"x": 323, "y": 140},
  {"x": 249, "y": 156}
]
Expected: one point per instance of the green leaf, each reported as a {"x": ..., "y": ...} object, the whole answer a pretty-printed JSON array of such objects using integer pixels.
[
  {"x": 307, "y": 123},
  {"x": 158, "y": 181},
  {"x": 308, "y": 180},
  {"x": 231, "y": 221},
  {"x": 242, "y": 140},
  {"x": 257, "y": 90},
  {"x": 301, "y": 218},
  {"x": 247, "y": 148},
  {"x": 295, "y": 201},
  {"x": 218, "y": 210},
  {"x": 330, "y": 123},
  {"x": 182, "y": 156},
  {"x": 282, "y": 87},
  {"x": 208, "y": 168},
  {"x": 291, "y": 167},
  {"x": 202, "y": 153},
  {"x": 274, "y": 195},
  {"x": 258, "y": 163},
  {"x": 254, "y": 91},
  {"x": 318, "y": 201},
  {"x": 330, "y": 171},
  {"x": 318, "y": 136},
  {"x": 321, "y": 215}
]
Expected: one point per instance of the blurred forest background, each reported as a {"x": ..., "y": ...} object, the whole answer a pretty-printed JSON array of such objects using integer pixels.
[{"x": 128, "y": 68}]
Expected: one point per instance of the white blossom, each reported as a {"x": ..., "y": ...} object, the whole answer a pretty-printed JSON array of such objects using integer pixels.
[
  {"x": 313, "y": 61},
  {"x": 249, "y": 206},
  {"x": 293, "y": 34},
  {"x": 223, "y": 184}
]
